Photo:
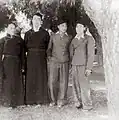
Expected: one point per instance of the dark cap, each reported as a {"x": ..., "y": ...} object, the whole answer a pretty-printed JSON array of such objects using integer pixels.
[
  {"x": 38, "y": 14},
  {"x": 60, "y": 21},
  {"x": 78, "y": 22}
]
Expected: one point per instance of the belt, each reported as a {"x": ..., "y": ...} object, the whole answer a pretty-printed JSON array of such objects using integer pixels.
[
  {"x": 36, "y": 50},
  {"x": 6, "y": 55}
]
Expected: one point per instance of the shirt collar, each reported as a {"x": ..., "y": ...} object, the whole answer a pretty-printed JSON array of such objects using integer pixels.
[
  {"x": 79, "y": 37},
  {"x": 64, "y": 34}
]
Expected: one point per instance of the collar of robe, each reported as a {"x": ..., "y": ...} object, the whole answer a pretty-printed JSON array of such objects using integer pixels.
[
  {"x": 36, "y": 30},
  {"x": 12, "y": 36}
]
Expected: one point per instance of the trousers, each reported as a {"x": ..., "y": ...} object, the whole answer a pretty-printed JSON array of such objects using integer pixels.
[
  {"x": 81, "y": 87},
  {"x": 58, "y": 81}
]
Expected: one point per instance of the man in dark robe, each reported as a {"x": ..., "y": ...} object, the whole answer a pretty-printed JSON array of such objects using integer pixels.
[
  {"x": 12, "y": 54},
  {"x": 36, "y": 41}
]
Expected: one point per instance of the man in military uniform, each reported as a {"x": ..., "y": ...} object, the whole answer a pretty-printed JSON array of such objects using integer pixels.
[
  {"x": 82, "y": 55},
  {"x": 58, "y": 52}
]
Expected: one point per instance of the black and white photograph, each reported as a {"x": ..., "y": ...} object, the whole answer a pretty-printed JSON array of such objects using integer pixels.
[{"x": 59, "y": 60}]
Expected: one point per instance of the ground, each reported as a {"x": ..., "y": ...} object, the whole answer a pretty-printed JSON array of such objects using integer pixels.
[{"x": 68, "y": 112}]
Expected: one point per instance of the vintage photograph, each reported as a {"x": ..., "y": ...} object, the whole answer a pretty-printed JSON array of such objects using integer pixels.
[{"x": 59, "y": 60}]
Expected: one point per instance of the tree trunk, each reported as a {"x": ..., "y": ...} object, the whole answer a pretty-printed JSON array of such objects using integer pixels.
[{"x": 105, "y": 15}]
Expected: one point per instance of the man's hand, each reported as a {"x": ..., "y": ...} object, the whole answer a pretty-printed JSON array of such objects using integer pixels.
[
  {"x": 88, "y": 72},
  {"x": 3, "y": 57},
  {"x": 70, "y": 68},
  {"x": 49, "y": 58},
  {"x": 23, "y": 70}
]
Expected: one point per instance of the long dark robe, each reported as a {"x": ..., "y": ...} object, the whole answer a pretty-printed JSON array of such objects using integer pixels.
[
  {"x": 36, "y": 70},
  {"x": 12, "y": 84},
  {"x": 1, "y": 68}
]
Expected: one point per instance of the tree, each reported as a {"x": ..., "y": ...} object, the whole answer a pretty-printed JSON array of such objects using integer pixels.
[
  {"x": 53, "y": 10},
  {"x": 105, "y": 16},
  {"x": 4, "y": 16}
]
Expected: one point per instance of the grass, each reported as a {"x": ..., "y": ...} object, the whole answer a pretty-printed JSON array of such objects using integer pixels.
[{"x": 68, "y": 112}]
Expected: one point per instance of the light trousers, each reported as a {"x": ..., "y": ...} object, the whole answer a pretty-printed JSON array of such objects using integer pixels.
[{"x": 81, "y": 87}]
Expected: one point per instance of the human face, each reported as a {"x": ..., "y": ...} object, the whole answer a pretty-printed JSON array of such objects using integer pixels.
[
  {"x": 11, "y": 29},
  {"x": 62, "y": 27},
  {"x": 36, "y": 21},
  {"x": 79, "y": 29}
]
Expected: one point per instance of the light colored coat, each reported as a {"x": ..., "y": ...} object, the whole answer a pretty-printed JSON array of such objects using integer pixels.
[
  {"x": 58, "y": 48},
  {"x": 82, "y": 51}
]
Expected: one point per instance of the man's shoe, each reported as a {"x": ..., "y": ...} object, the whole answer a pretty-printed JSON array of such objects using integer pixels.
[
  {"x": 59, "y": 105},
  {"x": 79, "y": 106},
  {"x": 52, "y": 104},
  {"x": 87, "y": 108}
]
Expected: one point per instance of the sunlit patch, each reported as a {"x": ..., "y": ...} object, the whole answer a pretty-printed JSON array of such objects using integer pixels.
[
  {"x": 104, "y": 116},
  {"x": 114, "y": 5},
  {"x": 23, "y": 21},
  {"x": 3, "y": 34}
]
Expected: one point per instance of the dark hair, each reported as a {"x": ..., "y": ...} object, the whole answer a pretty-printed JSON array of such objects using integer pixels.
[
  {"x": 13, "y": 21},
  {"x": 78, "y": 22},
  {"x": 38, "y": 14}
]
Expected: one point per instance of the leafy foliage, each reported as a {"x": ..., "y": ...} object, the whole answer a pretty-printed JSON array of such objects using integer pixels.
[
  {"x": 53, "y": 11},
  {"x": 4, "y": 16},
  {"x": 26, "y": 6}
]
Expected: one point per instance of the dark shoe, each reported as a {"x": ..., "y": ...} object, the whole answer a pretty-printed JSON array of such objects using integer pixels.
[
  {"x": 13, "y": 106},
  {"x": 79, "y": 106},
  {"x": 87, "y": 108}
]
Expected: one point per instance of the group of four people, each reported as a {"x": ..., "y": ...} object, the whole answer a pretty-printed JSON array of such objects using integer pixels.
[{"x": 44, "y": 84}]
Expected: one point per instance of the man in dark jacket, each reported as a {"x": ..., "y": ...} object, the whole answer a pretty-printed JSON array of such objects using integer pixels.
[{"x": 36, "y": 41}]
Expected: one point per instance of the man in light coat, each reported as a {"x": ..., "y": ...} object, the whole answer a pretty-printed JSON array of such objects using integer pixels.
[
  {"x": 82, "y": 55},
  {"x": 58, "y": 52}
]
